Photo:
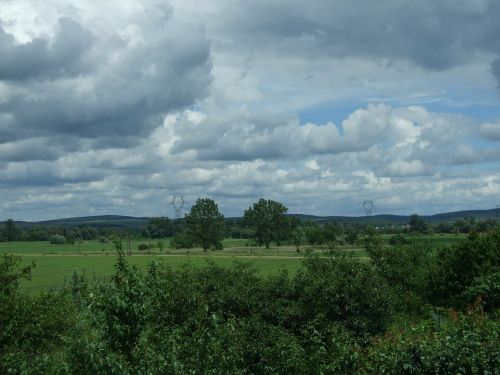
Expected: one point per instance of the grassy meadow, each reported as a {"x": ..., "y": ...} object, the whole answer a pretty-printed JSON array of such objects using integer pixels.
[{"x": 55, "y": 264}]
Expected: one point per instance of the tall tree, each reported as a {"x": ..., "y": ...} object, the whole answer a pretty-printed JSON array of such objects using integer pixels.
[
  {"x": 206, "y": 224},
  {"x": 267, "y": 218},
  {"x": 159, "y": 227},
  {"x": 10, "y": 231},
  {"x": 417, "y": 224}
]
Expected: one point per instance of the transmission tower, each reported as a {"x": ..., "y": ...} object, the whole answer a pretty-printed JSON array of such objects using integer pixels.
[
  {"x": 177, "y": 204},
  {"x": 368, "y": 206}
]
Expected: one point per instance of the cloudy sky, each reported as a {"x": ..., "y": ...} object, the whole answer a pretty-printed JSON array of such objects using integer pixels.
[{"x": 111, "y": 107}]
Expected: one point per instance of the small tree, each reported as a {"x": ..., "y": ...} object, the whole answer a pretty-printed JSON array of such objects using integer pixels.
[
  {"x": 267, "y": 218},
  {"x": 417, "y": 224},
  {"x": 160, "y": 245},
  {"x": 57, "y": 239},
  {"x": 298, "y": 237},
  {"x": 206, "y": 224},
  {"x": 10, "y": 231}
]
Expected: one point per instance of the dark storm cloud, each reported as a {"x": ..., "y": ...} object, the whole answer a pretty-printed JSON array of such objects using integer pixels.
[
  {"x": 431, "y": 34},
  {"x": 46, "y": 148},
  {"x": 117, "y": 92},
  {"x": 42, "y": 56}
]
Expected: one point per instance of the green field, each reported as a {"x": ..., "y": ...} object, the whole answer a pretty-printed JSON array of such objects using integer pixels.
[
  {"x": 55, "y": 264},
  {"x": 55, "y": 271}
]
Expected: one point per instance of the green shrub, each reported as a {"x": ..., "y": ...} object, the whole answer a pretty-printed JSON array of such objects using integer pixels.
[
  {"x": 332, "y": 317},
  {"x": 160, "y": 245},
  {"x": 57, "y": 239},
  {"x": 485, "y": 290},
  {"x": 405, "y": 268},
  {"x": 343, "y": 290},
  {"x": 182, "y": 240},
  {"x": 458, "y": 267},
  {"x": 464, "y": 345},
  {"x": 398, "y": 239}
]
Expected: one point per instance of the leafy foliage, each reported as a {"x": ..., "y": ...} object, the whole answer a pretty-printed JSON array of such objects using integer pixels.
[
  {"x": 336, "y": 315},
  {"x": 267, "y": 218},
  {"x": 341, "y": 289},
  {"x": 182, "y": 240},
  {"x": 57, "y": 239},
  {"x": 405, "y": 268},
  {"x": 206, "y": 224},
  {"x": 10, "y": 230},
  {"x": 417, "y": 224},
  {"x": 458, "y": 268},
  {"x": 464, "y": 345},
  {"x": 118, "y": 309},
  {"x": 159, "y": 227}
]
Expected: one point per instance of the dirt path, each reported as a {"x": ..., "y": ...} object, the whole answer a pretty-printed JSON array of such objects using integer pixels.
[{"x": 298, "y": 257}]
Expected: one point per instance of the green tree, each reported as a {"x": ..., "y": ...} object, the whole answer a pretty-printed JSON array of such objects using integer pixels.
[
  {"x": 10, "y": 231},
  {"x": 462, "y": 268},
  {"x": 330, "y": 232},
  {"x": 267, "y": 218},
  {"x": 298, "y": 237},
  {"x": 314, "y": 233},
  {"x": 206, "y": 224},
  {"x": 417, "y": 224},
  {"x": 118, "y": 309},
  {"x": 160, "y": 245},
  {"x": 159, "y": 227}
]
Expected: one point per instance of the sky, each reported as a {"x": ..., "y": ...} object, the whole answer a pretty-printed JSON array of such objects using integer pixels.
[{"x": 114, "y": 107}]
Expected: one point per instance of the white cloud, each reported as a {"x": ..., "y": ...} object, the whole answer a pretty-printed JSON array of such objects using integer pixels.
[
  {"x": 404, "y": 168},
  {"x": 238, "y": 100}
]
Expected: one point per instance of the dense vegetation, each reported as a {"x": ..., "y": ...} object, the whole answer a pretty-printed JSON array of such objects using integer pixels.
[{"x": 411, "y": 310}]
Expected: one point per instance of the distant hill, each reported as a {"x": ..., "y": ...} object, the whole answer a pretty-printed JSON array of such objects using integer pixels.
[
  {"x": 404, "y": 219},
  {"x": 108, "y": 221},
  {"x": 131, "y": 222}
]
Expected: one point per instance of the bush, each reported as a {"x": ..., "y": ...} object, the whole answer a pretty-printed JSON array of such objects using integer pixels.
[
  {"x": 331, "y": 317},
  {"x": 405, "y": 269},
  {"x": 485, "y": 290},
  {"x": 57, "y": 239},
  {"x": 464, "y": 345},
  {"x": 160, "y": 245},
  {"x": 458, "y": 267},
  {"x": 143, "y": 246},
  {"x": 182, "y": 240},
  {"x": 343, "y": 290},
  {"x": 398, "y": 239}
]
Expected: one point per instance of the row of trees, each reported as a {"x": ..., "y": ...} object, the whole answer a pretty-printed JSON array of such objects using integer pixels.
[
  {"x": 266, "y": 221},
  {"x": 465, "y": 225},
  {"x": 12, "y": 232}
]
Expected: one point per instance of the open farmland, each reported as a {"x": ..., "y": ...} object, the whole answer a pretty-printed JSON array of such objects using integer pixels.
[
  {"x": 55, "y": 264},
  {"x": 52, "y": 272}
]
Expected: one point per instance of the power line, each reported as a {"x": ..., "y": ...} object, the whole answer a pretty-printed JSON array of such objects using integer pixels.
[
  {"x": 177, "y": 204},
  {"x": 368, "y": 206}
]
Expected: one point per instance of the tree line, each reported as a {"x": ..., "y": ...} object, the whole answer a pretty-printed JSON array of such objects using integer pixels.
[{"x": 265, "y": 222}]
